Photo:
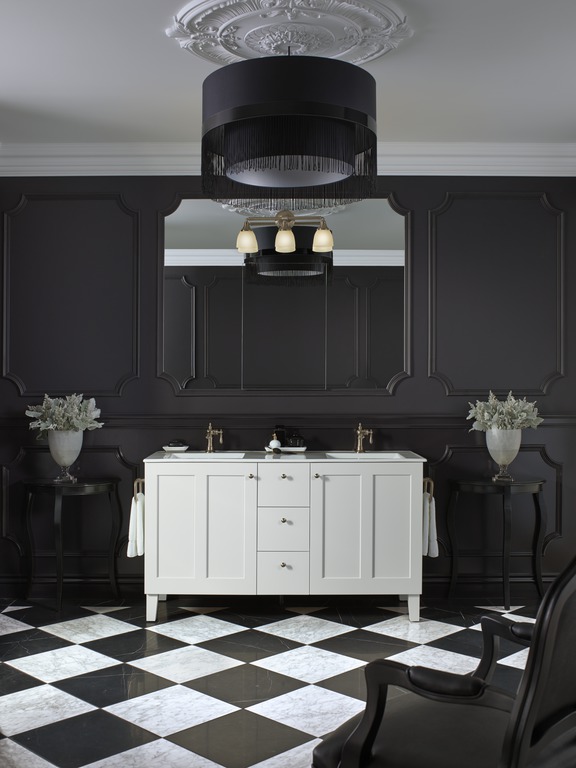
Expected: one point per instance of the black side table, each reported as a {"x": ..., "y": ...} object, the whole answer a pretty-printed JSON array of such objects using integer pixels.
[
  {"x": 58, "y": 490},
  {"x": 506, "y": 490}
]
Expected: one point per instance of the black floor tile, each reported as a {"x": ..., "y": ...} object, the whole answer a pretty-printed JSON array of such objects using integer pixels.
[
  {"x": 240, "y": 740},
  {"x": 364, "y": 645},
  {"x": 129, "y": 646},
  {"x": 112, "y": 684},
  {"x": 84, "y": 739},
  {"x": 249, "y": 645},
  {"x": 27, "y": 643},
  {"x": 245, "y": 686},
  {"x": 12, "y": 680}
]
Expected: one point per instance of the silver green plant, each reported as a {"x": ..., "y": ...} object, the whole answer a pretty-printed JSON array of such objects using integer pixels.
[
  {"x": 512, "y": 413},
  {"x": 63, "y": 414}
]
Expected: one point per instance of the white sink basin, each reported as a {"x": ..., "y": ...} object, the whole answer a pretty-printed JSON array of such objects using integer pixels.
[
  {"x": 217, "y": 456},
  {"x": 367, "y": 456}
]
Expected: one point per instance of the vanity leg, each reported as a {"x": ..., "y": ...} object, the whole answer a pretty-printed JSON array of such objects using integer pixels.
[
  {"x": 414, "y": 607},
  {"x": 162, "y": 598},
  {"x": 151, "y": 607}
]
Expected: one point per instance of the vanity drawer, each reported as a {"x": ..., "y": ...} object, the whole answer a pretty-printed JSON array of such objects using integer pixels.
[
  {"x": 283, "y": 484},
  {"x": 283, "y": 573},
  {"x": 283, "y": 528}
]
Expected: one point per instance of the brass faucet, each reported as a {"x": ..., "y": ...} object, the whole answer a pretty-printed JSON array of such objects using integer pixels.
[
  {"x": 361, "y": 433},
  {"x": 210, "y": 433}
]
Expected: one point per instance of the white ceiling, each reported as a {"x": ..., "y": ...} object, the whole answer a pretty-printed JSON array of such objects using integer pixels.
[{"x": 97, "y": 86}]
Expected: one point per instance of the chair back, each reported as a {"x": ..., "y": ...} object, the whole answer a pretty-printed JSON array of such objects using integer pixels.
[{"x": 545, "y": 707}]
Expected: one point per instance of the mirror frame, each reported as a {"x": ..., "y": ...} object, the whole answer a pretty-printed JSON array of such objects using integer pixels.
[{"x": 388, "y": 390}]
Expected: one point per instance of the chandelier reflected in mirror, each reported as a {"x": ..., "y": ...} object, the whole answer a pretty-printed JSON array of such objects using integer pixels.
[{"x": 291, "y": 252}]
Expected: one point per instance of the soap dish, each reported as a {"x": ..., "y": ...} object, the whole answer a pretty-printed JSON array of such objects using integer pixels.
[
  {"x": 174, "y": 448},
  {"x": 288, "y": 449}
]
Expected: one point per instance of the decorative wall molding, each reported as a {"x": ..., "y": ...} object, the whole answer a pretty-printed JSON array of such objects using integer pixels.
[{"x": 183, "y": 159}]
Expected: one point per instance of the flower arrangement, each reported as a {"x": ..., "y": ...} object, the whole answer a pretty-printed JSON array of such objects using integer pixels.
[
  {"x": 70, "y": 413},
  {"x": 511, "y": 413}
]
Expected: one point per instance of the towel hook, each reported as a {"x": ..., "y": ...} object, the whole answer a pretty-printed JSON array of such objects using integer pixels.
[
  {"x": 138, "y": 486},
  {"x": 429, "y": 486}
]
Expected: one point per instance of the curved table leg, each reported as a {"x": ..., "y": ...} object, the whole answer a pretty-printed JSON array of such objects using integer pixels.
[
  {"x": 58, "y": 546},
  {"x": 30, "y": 547},
  {"x": 116, "y": 512},
  {"x": 451, "y": 528},
  {"x": 538, "y": 545},
  {"x": 507, "y": 526}
]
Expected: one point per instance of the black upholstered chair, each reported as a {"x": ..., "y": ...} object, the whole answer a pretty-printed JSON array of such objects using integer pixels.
[{"x": 445, "y": 720}]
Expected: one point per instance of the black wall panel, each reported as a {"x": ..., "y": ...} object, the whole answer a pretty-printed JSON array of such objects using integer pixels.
[
  {"x": 61, "y": 255},
  {"x": 487, "y": 284}
]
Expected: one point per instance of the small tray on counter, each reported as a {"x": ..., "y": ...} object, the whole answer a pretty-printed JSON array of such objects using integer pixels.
[{"x": 287, "y": 449}]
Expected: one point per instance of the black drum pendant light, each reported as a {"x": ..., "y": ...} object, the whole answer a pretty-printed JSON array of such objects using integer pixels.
[{"x": 296, "y": 132}]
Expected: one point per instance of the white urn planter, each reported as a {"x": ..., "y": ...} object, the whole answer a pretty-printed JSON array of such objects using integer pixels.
[
  {"x": 503, "y": 446},
  {"x": 65, "y": 447}
]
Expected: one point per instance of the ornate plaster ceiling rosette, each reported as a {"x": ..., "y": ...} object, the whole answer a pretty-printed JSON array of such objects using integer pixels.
[{"x": 233, "y": 30}]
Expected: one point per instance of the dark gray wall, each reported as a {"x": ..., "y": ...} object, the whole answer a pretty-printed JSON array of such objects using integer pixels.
[{"x": 489, "y": 278}]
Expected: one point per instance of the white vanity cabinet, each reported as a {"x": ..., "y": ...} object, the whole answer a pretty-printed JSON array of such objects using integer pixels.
[
  {"x": 366, "y": 530},
  {"x": 261, "y": 525}
]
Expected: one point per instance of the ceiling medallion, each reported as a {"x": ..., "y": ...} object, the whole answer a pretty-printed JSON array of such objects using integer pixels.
[{"x": 233, "y": 30}]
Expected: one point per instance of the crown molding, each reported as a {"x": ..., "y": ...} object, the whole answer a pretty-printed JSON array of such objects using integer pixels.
[{"x": 183, "y": 159}]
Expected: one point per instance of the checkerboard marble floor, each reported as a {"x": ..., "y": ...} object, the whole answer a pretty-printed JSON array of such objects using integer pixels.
[{"x": 250, "y": 685}]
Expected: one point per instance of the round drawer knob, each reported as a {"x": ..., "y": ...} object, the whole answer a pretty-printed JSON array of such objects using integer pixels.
[
  {"x": 283, "y": 520},
  {"x": 316, "y": 475},
  {"x": 282, "y": 565},
  {"x": 250, "y": 475},
  {"x": 283, "y": 477}
]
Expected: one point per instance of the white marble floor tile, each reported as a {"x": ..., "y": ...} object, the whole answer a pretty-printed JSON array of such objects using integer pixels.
[
  {"x": 304, "y": 609},
  {"x": 183, "y": 664},
  {"x": 423, "y": 631},
  {"x": 299, "y": 757},
  {"x": 516, "y": 660},
  {"x": 200, "y": 609},
  {"x": 34, "y": 707},
  {"x": 305, "y": 629},
  {"x": 313, "y": 710},
  {"x": 12, "y": 755},
  {"x": 104, "y": 608},
  {"x": 8, "y": 625},
  {"x": 171, "y": 710},
  {"x": 156, "y": 753},
  {"x": 62, "y": 662},
  {"x": 195, "y": 629},
  {"x": 425, "y": 656},
  {"x": 309, "y": 664},
  {"x": 519, "y": 617},
  {"x": 88, "y": 628}
]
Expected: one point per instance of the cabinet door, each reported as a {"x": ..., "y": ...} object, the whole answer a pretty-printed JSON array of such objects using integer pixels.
[
  {"x": 200, "y": 528},
  {"x": 366, "y": 528}
]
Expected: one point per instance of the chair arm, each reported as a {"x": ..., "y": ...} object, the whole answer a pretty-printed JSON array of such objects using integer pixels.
[
  {"x": 437, "y": 685},
  {"x": 494, "y": 628}
]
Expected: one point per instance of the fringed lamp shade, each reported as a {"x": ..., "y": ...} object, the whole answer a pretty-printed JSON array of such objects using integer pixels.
[
  {"x": 289, "y": 132},
  {"x": 302, "y": 267}
]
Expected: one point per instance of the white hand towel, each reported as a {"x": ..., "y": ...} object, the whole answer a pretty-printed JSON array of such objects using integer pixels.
[
  {"x": 136, "y": 527},
  {"x": 429, "y": 533}
]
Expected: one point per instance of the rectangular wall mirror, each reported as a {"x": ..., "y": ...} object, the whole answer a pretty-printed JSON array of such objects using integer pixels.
[{"x": 222, "y": 332}]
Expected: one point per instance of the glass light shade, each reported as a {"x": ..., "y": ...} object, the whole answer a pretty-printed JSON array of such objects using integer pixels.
[
  {"x": 323, "y": 240},
  {"x": 285, "y": 241},
  {"x": 246, "y": 241}
]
